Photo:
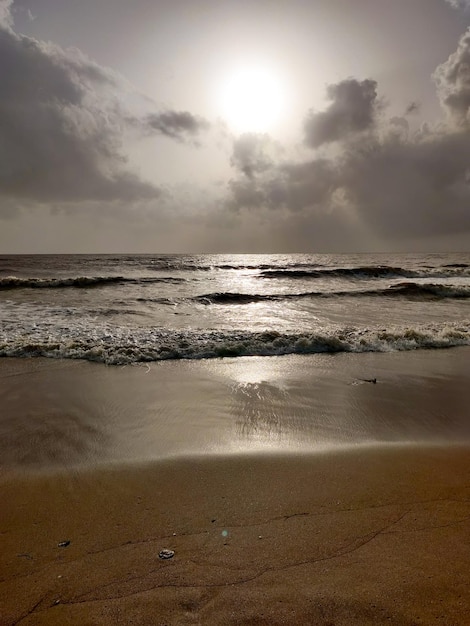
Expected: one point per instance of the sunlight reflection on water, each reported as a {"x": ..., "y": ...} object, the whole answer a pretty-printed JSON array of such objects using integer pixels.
[{"x": 69, "y": 413}]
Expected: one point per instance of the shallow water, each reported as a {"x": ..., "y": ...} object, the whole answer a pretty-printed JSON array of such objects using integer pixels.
[{"x": 65, "y": 413}]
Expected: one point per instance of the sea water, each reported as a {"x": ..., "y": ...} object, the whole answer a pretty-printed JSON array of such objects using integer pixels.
[{"x": 120, "y": 309}]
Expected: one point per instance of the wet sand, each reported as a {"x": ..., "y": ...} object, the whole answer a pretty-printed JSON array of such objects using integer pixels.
[
  {"x": 66, "y": 413},
  {"x": 291, "y": 491}
]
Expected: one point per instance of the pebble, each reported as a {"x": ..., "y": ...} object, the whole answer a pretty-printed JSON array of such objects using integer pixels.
[{"x": 166, "y": 554}]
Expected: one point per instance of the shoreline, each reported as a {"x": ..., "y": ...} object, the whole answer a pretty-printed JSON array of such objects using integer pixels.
[
  {"x": 346, "y": 538},
  {"x": 65, "y": 414},
  {"x": 290, "y": 490},
  {"x": 62, "y": 472}
]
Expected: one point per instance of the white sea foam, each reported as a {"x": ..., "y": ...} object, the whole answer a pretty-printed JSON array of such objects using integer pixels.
[{"x": 119, "y": 345}]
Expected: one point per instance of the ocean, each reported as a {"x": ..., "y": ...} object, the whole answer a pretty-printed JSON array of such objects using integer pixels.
[{"x": 121, "y": 309}]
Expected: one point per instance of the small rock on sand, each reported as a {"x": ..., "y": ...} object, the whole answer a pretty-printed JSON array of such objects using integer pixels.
[{"x": 166, "y": 554}]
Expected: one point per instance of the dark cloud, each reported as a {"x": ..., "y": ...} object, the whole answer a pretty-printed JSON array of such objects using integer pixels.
[
  {"x": 353, "y": 109},
  {"x": 453, "y": 83},
  {"x": 252, "y": 153},
  {"x": 309, "y": 184},
  {"x": 60, "y": 129},
  {"x": 63, "y": 124},
  {"x": 399, "y": 125},
  {"x": 413, "y": 107},
  {"x": 409, "y": 187},
  {"x": 395, "y": 184},
  {"x": 289, "y": 185},
  {"x": 179, "y": 125}
]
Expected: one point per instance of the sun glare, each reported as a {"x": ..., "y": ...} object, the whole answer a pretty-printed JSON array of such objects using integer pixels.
[{"x": 251, "y": 100}]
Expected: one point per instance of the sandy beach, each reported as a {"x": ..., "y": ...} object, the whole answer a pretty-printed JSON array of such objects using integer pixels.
[
  {"x": 375, "y": 537},
  {"x": 313, "y": 497}
]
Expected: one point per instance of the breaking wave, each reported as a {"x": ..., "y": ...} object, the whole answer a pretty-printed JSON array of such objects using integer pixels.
[
  {"x": 404, "y": 290},
  {"x": 12, "y": 282},
  {"x": 121, "y": 345},
  {"x": 368, "y": 271},
  {"x": 426, "y": 290}
]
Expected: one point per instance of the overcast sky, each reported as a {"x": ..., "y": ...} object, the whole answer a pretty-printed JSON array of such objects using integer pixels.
[{"x": 234, "y": 126}]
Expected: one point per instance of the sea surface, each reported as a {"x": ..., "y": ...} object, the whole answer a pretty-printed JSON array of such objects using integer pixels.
[{"x": 120, "y": 309}]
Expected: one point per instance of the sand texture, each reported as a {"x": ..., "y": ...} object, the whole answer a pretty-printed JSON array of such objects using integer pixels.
[
  {"x": 372, "y": 536},
  {"x": 291, "y": 490}
]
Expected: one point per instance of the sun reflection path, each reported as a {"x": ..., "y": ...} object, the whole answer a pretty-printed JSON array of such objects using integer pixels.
[
  {"x": 262, "y": 407},
  {"x": 260, "y": 370}
]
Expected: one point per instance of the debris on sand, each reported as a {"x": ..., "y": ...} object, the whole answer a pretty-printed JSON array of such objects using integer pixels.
[{"x": 166, "y": 554}]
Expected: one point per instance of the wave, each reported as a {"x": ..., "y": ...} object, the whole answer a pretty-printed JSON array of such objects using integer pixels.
[
  {"x": 238, "y": 298},
  {"x": 416, "y": 290},
  {"x": 119, "y": 345},
  {"x": 406, "y": 289},
  {"x": 166, "y": 301},
  {"x": 12, "y": 282},
  {"x": 303, "y": 269},
  {"x": 379, "y": 271},
  {"x": 372, "y": 271},
  {"x": 361, "y": 272}
]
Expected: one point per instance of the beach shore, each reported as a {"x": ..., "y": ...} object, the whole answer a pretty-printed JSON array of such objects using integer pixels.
[
  {"x": 291, "y": 490},
  {"x": 64, "y": 413},
  {"x": 371, "y": 537}
]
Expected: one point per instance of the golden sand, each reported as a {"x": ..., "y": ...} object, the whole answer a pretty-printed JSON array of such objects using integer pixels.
[{"x": 370, "y": 536}]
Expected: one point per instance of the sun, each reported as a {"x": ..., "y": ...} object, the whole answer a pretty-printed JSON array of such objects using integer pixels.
[{"x": 251, "y": 99}]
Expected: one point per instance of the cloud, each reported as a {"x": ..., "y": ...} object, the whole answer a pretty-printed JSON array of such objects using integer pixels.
[
  {"x": 459, "y": 4},
  {"x": 5, "y": 13},
  {"x": 399, "y": 125},
  {"x": 387, "y": 181},
  {"x": 412, "y": 187},
  {"x": 396, "y": 187},
  {"x": 353, "y": 109},
  {"x": 178, "y": 125},
  {"x": 413, "y": 107},
  {"x": 63, "y": 124},
  {"x": 453, "y": 83},
  {"x": 286, "y": 185},
  {"x": 252, "y": 153}
]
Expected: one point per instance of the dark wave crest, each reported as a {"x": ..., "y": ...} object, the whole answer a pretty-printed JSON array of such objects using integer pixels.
[
  {"x": 235, "y": 298},
  {"x": 372, "y": 271},
  {"x": 426, "y": 290},
  {"x": 410, "y": 290},
  {"x": 12, "y": 282},
  {"x": 379, "y": 271}
]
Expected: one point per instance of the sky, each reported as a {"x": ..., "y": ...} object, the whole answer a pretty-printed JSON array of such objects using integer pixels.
[{"x": 168, "y": 126}]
